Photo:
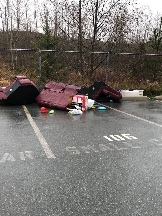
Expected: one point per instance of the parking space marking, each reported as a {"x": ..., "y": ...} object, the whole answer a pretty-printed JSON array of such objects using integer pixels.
[
  {"x": 134, "y": 116},
  {"x": 39, "y": 135},
  {"x": 19, "y": 155},
  {"x": 101, "y": 148},
  {"x": 120, "y": 137},
  {"x": 7, "y": 157}
]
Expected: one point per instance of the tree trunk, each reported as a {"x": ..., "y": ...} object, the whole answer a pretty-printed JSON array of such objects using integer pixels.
[
  {"x": 80, "y": 39},
  {"x": 94, "y": 37}
]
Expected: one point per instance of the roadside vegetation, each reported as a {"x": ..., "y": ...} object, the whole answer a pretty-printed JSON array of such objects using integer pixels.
[{"x": 114, "y": 41}]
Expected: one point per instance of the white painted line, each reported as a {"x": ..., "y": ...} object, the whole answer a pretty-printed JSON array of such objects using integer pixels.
[
  {"x": 139, "y": 118},
  {"x": 39, "y": 135}
]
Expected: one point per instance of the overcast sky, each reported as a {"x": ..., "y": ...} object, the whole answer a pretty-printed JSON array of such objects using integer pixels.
[{"x": 155, "y": 5}]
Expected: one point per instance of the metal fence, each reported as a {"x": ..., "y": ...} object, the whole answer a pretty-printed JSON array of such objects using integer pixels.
[{"x": 119, "y": 70}]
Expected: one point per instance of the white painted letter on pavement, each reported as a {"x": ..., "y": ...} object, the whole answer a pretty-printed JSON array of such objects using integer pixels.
[
  {"x": 73, "y": 150},
  {"x": 7, "y": 157}
]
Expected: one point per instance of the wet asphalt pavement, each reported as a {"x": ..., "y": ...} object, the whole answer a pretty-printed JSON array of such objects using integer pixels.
[{"x": 100, "y": 163}]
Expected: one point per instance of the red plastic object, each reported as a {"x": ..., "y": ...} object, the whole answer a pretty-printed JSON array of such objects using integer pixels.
[{"x": 43, "y": 110}]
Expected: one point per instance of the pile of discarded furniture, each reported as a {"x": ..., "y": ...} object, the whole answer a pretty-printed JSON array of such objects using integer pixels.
[
  {"x": 62, "y": 96},
  {"x": 56, "y": 95}
]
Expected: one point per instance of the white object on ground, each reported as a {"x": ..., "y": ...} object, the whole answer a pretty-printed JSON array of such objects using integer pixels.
[
  {"x": 90, "y": 103},
  {"x": 75, "y": 112}
]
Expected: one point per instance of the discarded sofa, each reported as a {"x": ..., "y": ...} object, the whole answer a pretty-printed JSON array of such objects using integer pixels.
[
  {"x": 21, "y": 91},
  {"x": 99, "y": 91},
  {"x": 57, "y": 95},
  {"x": 3, "y": 96},
  {"x": 60, "y": 95}
]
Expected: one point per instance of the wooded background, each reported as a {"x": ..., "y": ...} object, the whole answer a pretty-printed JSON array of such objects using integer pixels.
[{"x": 80, "y": 42}]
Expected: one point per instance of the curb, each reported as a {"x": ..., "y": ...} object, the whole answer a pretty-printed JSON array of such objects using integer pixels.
[
  {"x": 135, "y": 98},
  {"x": 158, "y": 97}
]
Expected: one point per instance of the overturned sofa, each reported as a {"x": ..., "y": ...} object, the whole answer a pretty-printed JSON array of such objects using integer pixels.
[
  {"x": 21, "y": 91},
  {"x": 99, "y": 91},
  {"x": 3, "y": 96},
  {"x": 57, "y": 95}
]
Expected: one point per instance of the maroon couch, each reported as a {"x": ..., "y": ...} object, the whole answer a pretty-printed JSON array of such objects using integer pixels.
[
  {"x": 20, "y": 91},
  {"x": 57, "y": 95}
]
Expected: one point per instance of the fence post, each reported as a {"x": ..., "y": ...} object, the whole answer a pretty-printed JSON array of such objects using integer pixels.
[
  {"x": 107, "y": 66},
  {"x": 40, "y": 70}
]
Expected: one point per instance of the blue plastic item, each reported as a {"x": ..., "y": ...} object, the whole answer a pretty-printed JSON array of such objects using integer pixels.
[{"x": 101, "y": 108}]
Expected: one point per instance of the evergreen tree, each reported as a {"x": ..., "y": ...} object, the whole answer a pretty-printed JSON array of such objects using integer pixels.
[{"x": 47, "y": 43}]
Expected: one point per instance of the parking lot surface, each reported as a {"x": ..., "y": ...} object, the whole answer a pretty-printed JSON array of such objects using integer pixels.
[{"x": 103, "y": 162}]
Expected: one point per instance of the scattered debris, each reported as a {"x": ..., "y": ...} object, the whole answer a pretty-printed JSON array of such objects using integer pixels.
[
  {"x": 44, "y": 110},
  {"x": 58, "y": 95},
  {"x": 93, "y": 107},
  {"x": 68, "y": 97},
  {"x": 51, "y": 112},
  {"x": 75, "y": 112},
  {"x": 90, "y": 103},
  {"x": 82, "y": 101},
  {"x": 101, "y": 108}
]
